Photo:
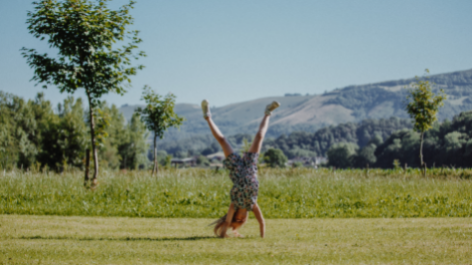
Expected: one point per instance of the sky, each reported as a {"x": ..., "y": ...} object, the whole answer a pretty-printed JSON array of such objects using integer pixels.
[{"x": 233, "y": 51}]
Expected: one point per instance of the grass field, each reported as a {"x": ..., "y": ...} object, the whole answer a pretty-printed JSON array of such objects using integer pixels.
[
  {"x": 284, "y": 193},
  {"x": 121, "y": 240},
  {"x": 51, "y": 219}
]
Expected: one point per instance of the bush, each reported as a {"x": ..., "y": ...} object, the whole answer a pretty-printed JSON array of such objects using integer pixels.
[
  {"x": 342, "y": 155},
  {"x": 275, "y": 158},
  {"x": 203, "y": 161}
]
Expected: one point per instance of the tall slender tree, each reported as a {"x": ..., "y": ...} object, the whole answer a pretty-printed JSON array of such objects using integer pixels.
[
  {"x": 84, "y": 34},
  {"x": 158, "y": 115},
  {"x": 422, "y": 106}
]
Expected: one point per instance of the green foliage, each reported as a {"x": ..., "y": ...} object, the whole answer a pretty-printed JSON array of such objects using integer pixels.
[
  {"x": 168, "y": 161},
  {"x": 396, "y": 164},
  {"x": 102, "y": 122},
  {"x": 9, "y": 150},
  {"x": 203, "y": 161},
  {"x": 275, "y": 158},
  {"x": 33, "y": 137},
  {"x": 423, "y": 105},
  {"x": 125, "y": 144},
  {"x": 366, "y": 156},
  {"x": 135, "y": 147},
  {"x": 283, "y": 193},
  {"x": 342, "y": 155},
  {"x": 65, "y": 137},
  {"x": 445, "y": 144},
  {"x": 112, "y": 125},
  {"x": 84, "y": 33},
  {"x": 158, "y": 114},
  {"x": 304, "y": 144},
  {"x": 23, "y": 124}
]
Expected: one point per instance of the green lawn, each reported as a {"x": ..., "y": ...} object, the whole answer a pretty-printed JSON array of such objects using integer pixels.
[{"x": 121, "y": 240}]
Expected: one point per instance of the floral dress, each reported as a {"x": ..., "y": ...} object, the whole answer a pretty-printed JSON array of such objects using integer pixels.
[{"x": 243, "y": 174}]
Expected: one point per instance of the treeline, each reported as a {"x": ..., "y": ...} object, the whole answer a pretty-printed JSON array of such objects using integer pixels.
[
  {"x": 295, "y": 144},
  {"x": 304, "y": 144},
  {"x": 446, "y": 144},
  {"x": 33, "y": 135}
]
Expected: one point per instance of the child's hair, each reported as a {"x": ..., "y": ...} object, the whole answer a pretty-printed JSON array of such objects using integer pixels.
[
  {"x": 218, "y": 224},
  {"x": 235, "y": 224}
]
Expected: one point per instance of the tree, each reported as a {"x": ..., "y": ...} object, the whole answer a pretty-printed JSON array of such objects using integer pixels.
[
  {"x": 158, "y": 115},
  {"x": 422, "y": 107},
  {"x": 133, "y": 150},
  {"x": 22, "y": 126},
  {"x": 111, "y": 134},
  {"x": 342, "y": 155},
  {"x": 84, "y": 33},
  {"x": 203, "y": 161},
  {"x": 366, "y": 156},
  {"x": 9, "y": 148},
  {"x": 275, "y": 158},
  {"x": 64, "y": 137}
]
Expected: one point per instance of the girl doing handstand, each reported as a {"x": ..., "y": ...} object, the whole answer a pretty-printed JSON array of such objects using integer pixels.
[{"x": 243, "y": 174}]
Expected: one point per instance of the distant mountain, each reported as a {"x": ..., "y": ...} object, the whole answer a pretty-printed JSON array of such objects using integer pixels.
[{"x": 312, "y": 112}]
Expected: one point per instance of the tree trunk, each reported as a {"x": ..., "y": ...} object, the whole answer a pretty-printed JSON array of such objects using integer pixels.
[
  {"x": 94, "y": 148},
  {"x": 421, "y": 149},
  {"x": 156, "y": 165},
  {"x": 87, "y": 166}
]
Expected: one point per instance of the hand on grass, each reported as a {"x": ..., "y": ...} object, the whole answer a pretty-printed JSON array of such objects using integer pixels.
[{"x": 223, "y": 230}]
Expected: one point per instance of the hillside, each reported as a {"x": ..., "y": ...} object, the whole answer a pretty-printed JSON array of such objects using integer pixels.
[{"x": 312, "y": 112}]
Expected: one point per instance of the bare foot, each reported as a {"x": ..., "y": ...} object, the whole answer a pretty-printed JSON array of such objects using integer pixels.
[{"x": 206, "y": 109}]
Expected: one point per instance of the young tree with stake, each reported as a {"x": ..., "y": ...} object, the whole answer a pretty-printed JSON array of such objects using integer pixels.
[
  {"x": 422, "y": 107},
  {"x": 159, "y": 115},
  {"x": 84, "y": 33}
]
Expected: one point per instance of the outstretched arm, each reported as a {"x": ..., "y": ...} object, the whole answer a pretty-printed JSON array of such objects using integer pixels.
[
  {"x": 260, "y": 219},
  {"x": 229, "y": 219}
]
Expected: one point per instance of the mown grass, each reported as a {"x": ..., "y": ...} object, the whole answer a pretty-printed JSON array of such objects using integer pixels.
[
  {"x": 203, "y": 193},
  {"x": 118, "y": 240}
]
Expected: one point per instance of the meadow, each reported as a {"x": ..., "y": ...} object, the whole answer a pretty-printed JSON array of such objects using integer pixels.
[
  {"x": 204, "y": 193},
  {"x": 123, "y": 240},
  {"x": 312, "y": 216}
]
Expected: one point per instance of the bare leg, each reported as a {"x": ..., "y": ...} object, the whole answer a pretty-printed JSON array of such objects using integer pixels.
[
  {"x": 227, "y": 150},
  {"x": 259, "y": 138}
]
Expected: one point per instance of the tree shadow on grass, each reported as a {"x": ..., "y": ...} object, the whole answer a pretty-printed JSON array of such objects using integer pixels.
[{"x": 193, "y": 238}]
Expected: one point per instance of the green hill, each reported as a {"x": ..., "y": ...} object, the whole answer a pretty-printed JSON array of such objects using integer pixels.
[{"x": 312, "y": 112}]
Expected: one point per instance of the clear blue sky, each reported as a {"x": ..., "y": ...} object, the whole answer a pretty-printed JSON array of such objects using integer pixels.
[{"x": 232, "y": 51}]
